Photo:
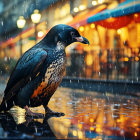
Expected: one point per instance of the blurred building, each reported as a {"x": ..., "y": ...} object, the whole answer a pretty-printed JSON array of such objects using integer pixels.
[{"x": 112, "y": 28}]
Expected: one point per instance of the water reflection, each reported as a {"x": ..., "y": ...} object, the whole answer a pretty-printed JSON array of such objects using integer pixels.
[
  {"x": 88, "y": 115},
  {"x": 28, "y": 129}
]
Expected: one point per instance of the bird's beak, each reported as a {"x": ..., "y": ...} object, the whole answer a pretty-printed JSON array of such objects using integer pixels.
[{"x": 82, "y": 40}]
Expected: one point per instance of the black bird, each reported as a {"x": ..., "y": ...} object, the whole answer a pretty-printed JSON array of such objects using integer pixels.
[{"x": 40, "y": 70}]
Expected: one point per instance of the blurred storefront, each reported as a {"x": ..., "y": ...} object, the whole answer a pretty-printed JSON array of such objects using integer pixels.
[
  {"x": 49, "y": 18},
  {"x": 113, "y": 52}
]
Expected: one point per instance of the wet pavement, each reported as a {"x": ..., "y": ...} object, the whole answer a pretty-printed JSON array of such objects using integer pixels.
[{"x": 88, "y": 115}]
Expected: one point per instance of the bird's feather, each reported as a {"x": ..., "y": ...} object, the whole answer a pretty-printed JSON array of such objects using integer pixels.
[{"x": 26, "y": 70}]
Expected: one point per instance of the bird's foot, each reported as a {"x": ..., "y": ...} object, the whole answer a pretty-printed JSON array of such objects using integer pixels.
[
  {"x": 29, "y": 113},
  {"x": 28, "y": 120},
  {"x": 49, "y": 112}
]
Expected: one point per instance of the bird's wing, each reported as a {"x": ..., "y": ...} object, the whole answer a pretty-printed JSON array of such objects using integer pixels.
[{"x": 26, "y": 70}]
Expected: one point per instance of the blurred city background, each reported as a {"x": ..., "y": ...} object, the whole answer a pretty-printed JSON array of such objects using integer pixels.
[{"x": 111, "y": 26}]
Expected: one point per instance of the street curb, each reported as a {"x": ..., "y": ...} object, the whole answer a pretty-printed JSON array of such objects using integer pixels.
[{"x": 112, "y": 86}]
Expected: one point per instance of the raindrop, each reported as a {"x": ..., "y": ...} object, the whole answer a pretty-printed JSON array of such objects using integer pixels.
[
  {"x": 5, "y": 58},
  {"x": 1, "y": 23},
  {"x": 30, "y": 78},
  {"x": 35, "y": 129},
  {"x": 6, "y": 104},
  {"x": 70, "y": 81},
  {"x": 13, "y": 103}
]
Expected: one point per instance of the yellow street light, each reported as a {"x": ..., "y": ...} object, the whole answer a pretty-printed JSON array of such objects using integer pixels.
[
  {"x": 81, "y": 28},
  {"x": 76, "y": 9},
  {"x": 94, "y": 2},
  {"x": 21, "y": 22},
  {"x": 36, "y": 16},
  {"x": 100, "y": 1},
  {"x": 40, "y": 34},
  {"x": 92, "y": 25},
  {"x": 119, "y": 31},
  {"x": 82, "y": 7}
]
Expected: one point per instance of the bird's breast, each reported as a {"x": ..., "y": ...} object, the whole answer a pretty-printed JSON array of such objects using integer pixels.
[
  {"x": 52, "y": 79},
  {"x": 55, "y": 71}
]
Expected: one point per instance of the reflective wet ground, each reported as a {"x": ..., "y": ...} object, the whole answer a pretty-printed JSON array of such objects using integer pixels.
[{"x": 89, "y": 115}]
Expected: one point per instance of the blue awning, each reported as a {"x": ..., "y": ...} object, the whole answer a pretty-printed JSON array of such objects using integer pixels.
[{"x": 125, "y": 8}]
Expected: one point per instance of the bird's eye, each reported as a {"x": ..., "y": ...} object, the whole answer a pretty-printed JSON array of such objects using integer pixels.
[{"x": 72, "y": 33}]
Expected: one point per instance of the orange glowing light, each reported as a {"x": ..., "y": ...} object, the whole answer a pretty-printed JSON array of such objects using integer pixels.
[
  {"x": 74, "y": 133},
  {"x": 118, "y": 120},
  {"x": 136, "y": 58},
  {"x": 81, "y": 28},
  {"x": 80, "y": 134},
  {"x": 92, "y": 26},
  {"x": 126, "y": 59},
  {"x": 91, "y": 120},
  {"x": 89, "y": 60},
  {"x": 119, "y": 31},
  {"x": 135, "y": 134},
  {"x": 80, "y": 126},
  {"x": 91, "y": 129},
  {"x": 98, "y": 130},
  {"x": 136, "y": 15},
  {"x": 110, "y": 19},
  {"x": 135, "y": 124}
]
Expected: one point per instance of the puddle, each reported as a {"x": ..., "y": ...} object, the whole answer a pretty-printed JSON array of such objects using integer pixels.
[{"x": 88, "y": 115}]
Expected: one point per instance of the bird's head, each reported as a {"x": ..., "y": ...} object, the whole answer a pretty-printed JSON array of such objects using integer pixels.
[{"x": 65, "y": 34}]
